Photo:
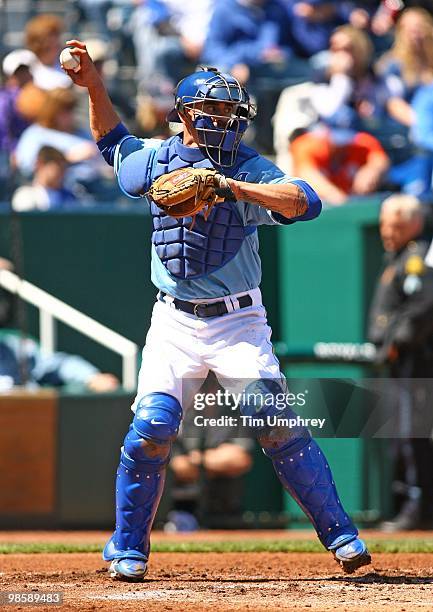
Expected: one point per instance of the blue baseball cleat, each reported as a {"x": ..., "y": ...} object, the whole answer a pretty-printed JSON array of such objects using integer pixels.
[
  {"x": 350, "y": 555},
  {"x": 130, "y": 570}
]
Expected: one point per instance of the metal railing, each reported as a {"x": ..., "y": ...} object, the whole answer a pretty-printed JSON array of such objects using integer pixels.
[{"x": 52, "y": 309}]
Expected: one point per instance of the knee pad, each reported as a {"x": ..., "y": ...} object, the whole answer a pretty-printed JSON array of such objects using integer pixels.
[
  {"x": 155, "y": 426},
  {"x": 272, "y": 419}
]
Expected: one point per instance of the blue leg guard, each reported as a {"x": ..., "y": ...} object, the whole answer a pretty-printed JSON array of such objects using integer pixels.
[
  {"x": 141, "y": 475},
  {"x": 305, "y": 474},
  {"x": 300, "y": 465}
]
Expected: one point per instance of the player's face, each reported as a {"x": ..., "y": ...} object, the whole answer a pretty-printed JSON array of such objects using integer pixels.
[{"x": 220, "y": 112}]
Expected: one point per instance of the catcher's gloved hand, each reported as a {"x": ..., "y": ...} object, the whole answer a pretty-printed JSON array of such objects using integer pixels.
[{"x": 187, "y": 191}]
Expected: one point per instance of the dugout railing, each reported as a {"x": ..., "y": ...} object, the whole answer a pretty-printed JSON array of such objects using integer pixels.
[{"x": 51, "y": 309}]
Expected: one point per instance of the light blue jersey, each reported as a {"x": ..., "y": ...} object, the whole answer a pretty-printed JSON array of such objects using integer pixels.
[{"x": 243, "y": 271}]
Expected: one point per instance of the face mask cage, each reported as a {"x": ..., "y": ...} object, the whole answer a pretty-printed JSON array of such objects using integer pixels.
[{"x": 220, "y": 134}]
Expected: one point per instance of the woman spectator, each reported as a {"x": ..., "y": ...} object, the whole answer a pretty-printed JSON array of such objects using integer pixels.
[
  {"x": 350, "y": 95},
  {"x": 409, "y": 63},
  {"x": 408, "y": 73}
]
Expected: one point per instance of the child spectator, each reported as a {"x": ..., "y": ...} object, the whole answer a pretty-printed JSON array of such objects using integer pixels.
[
  {"x": 47, "y": 192},
  {"x": 338, "y": 166}
]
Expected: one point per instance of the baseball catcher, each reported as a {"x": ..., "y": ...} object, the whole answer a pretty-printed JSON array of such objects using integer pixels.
[{"x": 207, "y": 193}]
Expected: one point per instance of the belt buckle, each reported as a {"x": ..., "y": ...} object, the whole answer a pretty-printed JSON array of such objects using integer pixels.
[{"x": 196, "y": 306}]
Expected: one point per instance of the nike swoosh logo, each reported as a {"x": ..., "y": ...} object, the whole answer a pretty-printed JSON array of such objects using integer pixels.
[{"x": 153, "y": 422}]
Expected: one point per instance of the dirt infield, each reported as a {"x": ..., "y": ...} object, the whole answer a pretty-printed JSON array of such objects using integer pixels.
[{"x": 221, "y": 581}]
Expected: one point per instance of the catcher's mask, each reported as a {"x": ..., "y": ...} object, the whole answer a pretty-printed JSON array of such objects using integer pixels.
[{"x": 219, "y": 134}]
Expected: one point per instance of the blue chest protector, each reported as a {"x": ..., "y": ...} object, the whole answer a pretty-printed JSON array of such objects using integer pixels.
[{"x": 209, "y": 244}]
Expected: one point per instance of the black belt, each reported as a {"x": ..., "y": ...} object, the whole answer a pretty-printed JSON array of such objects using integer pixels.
[{"x": 216, "y": 309}]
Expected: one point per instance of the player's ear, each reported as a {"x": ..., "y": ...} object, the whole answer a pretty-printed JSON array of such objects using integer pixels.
[{"x": 186, "y": 116}]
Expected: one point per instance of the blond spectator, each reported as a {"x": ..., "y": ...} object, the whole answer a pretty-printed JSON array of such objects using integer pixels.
[{"x": 409, "y": 63}]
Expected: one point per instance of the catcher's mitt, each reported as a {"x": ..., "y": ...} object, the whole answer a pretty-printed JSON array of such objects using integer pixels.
[{"x": 187, "y": 191}]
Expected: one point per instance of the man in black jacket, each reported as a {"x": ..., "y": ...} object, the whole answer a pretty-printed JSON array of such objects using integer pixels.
[{"x": 401, "y": 327}]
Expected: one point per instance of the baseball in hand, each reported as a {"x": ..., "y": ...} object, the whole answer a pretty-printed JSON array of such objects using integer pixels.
[{"x": 70, "y": 61}]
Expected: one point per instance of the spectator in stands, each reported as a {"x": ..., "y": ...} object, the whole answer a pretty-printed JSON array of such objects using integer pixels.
[
  {"x": 350, "y": 96},
  {"x": 43, "y": 37},
  {"x": 17, "y": 71},
  {"x": 409, "y": 64},
  {"x": 249, "y": 39},
  {"x": 55, "y": 127},
  {"x": 339, "y": 164},
  {"x": 47, "y": 191},
  {"x": 408, "y": 71},
  {"x": 168, "y": 39},
  {"x": 401, "y": 327},
  {"x": 151, "y": 118},
  {"x": 56, "y": 370},
  {"x": 415, "y": 174},
  {"x": 313, "y": 21},
  {"x": 422, "y": 111},
  {"x": 208, "y": 466}
]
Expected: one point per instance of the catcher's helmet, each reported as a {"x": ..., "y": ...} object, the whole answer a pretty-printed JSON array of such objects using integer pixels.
[{"x": 219, "y": 135}]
